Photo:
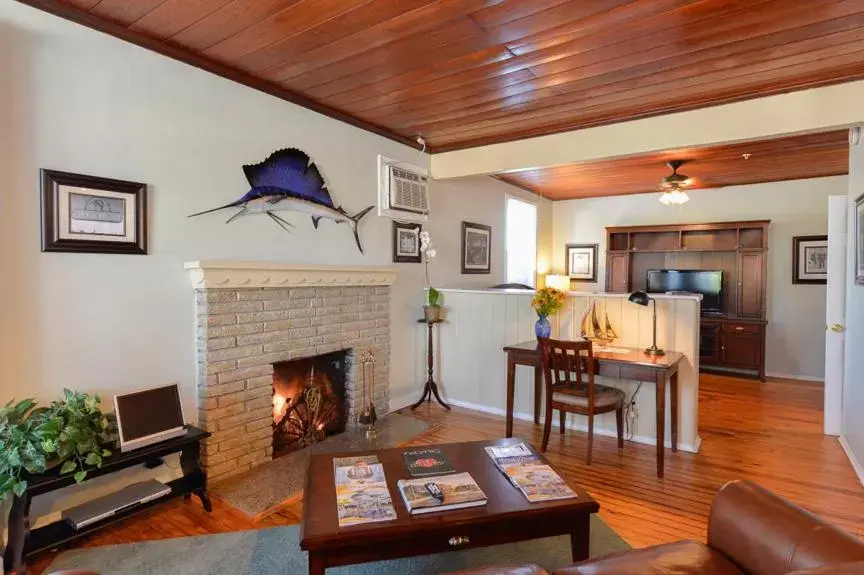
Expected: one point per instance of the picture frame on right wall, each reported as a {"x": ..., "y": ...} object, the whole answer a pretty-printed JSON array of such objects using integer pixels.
[
  {"x": 810, "y": 260},
  {"x": 859, "y": 240}
]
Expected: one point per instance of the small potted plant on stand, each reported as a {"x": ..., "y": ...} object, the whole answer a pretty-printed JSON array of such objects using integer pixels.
[
  {"x": 432, "y": 309},
  {"x": 546, "y": 302}
]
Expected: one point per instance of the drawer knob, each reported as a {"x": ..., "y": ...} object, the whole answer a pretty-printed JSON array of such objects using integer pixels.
[
  {"x": 739, "y": 328},
  {"x": 460, "y": 540}
]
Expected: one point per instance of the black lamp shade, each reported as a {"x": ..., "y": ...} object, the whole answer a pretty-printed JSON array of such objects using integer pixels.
[{"x": 639, "y": 297}]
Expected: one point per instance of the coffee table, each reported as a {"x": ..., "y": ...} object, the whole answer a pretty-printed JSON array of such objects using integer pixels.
[{"x": 506, "y": 518}]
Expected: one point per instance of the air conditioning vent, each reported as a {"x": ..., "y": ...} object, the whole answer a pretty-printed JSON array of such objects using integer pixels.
[{"x": 403, "y": 192}]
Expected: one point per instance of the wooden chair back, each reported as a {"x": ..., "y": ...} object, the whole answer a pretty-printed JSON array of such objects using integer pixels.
[{"x": 562, "y": 364}]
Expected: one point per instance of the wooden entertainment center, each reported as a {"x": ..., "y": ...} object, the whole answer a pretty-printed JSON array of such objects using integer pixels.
[{"x": 734, "y": 339}]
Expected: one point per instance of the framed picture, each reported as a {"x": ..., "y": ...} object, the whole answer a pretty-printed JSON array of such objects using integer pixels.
[
  {"x": 810, "y": 260},
  {"x": 859, "y": 240},
  {"x": 476, "y": 248},
  {"x": 581, "y": 264},
  {"x": 87, "y": 214},
  {"x": 406, "y": 243}
]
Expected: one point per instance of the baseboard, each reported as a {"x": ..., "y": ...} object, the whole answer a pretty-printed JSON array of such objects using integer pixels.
[
  {"x": 795, "y": 376},
  {"x": 856, "y": 465},
  {"x": 691, "y": 448}
]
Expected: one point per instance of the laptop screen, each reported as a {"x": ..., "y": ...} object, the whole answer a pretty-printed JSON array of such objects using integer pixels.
[{"x": 147, "y": 412}]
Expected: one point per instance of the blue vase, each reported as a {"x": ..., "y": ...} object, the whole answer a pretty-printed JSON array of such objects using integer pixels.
[{"x": 542, "y": 328}]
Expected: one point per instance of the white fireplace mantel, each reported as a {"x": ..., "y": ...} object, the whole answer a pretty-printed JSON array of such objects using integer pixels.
[{"x": 238, "y": 274}]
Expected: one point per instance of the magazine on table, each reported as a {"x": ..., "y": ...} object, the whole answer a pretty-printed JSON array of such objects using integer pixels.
[
  {"x": 523, "y": 467},
  {"x": 430, "y": 461},
  {"x": 361, "y": 491},
  {"x": 459, "y": 491}
]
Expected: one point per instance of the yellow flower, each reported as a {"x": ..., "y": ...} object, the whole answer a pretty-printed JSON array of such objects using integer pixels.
[{"x": 547, "y": 301}]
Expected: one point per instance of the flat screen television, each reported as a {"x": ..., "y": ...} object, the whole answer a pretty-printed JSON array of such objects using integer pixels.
[{"x": 706, "y": 282}]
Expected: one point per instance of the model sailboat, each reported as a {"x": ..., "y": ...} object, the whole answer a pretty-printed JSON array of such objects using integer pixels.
[{"x": 595, "y": 329}]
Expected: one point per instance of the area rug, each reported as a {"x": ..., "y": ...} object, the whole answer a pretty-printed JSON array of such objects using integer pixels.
[
  {"x": 277, "y": 551},
  {"x": 272, "y": 484}
]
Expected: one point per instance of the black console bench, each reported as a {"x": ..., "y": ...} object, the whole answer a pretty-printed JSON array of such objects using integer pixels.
[{"x": 22, "y": 541}]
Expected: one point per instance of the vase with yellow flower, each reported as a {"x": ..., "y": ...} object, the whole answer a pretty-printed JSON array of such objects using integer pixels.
[{"x": 546, "y": 302}]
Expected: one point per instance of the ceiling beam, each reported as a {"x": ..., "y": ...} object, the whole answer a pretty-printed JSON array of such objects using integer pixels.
[{"x": 814, "y": 110}]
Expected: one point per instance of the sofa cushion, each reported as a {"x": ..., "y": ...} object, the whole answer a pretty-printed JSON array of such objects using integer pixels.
[
  {"x": 680, "y": 558},
  {"x": 505, "y": 570}
]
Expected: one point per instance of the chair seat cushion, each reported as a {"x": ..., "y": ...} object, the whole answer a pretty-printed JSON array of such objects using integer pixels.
[
  {"x": 680, "y": 558},
  {"x": 603, "y": 396}
]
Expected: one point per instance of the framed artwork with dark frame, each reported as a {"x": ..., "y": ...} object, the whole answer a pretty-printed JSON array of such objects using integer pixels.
[
  {"x": 88, "y": 214},
  {"x": 810, "y": 260},
  {"x": 581, "y": 262},
  {"x": 476, "y": 248},
  {"x": 859, "y": 240},
  {"x": 406, "y": 243}
]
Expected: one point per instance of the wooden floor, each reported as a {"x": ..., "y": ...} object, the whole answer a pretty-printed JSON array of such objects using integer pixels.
[{"x": 770, "y": 433}]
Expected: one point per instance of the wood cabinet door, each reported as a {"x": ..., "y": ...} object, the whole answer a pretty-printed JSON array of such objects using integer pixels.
[
  {"x": 618, "y": 272},
  {"x": 751, "y": 278},
  {"x": 743, "y": 351},
  {"x": 709, "y": 343}
]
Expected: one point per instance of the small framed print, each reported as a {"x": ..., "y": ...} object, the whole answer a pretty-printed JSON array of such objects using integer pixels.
[
  {"x": 476, "y": 248},
  {"x": 581, "y": 264},
  {"x": 859, "y": 240},
  {"x": 810, "y": 260},
  {"x": 406, "y": 243},
  {"x": 87, "y": 214}
]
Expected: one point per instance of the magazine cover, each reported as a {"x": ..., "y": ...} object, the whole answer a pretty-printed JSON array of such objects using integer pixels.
[
  {"x": 349, "y": 461},
  {"x": 423, "y": 462},
  {"x": 362, "y": 495},
  {"x": 539, "y": 483},
  {"x": 459, "y": 490}
]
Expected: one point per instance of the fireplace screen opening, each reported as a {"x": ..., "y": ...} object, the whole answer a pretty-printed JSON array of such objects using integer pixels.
[{"x": 308, "y": 400}]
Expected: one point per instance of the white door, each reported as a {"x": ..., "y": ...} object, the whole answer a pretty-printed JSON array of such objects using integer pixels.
[{"x": 835, "y": 316}]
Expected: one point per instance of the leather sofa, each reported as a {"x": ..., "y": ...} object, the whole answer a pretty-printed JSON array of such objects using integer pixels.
[{"x": 751, "y": 531}]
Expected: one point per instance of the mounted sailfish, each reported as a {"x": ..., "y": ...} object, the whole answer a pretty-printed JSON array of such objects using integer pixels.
[{"x": 289, "y": 181}]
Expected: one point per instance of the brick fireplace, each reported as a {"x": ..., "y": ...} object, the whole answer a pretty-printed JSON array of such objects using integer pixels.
[{"x": 250, "y": 316}]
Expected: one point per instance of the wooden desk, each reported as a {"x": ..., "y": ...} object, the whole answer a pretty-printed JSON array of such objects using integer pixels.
[{"x": 634, "y": 365}]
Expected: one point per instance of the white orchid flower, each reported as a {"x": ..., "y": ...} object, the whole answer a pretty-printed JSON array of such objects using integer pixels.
[{"x": 430, "y": 254}]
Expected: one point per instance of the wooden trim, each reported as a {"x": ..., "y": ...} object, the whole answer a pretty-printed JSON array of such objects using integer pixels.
[
  {"x": 128, "y": 35},
  {"x": 688, "y": 227}
]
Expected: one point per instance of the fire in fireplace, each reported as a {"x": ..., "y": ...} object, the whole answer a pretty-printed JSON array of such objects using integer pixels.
[{"x": 308, "y": 400}]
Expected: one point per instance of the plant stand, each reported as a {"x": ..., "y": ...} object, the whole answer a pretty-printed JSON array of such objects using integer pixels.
[{"x": 430, "y": 388}]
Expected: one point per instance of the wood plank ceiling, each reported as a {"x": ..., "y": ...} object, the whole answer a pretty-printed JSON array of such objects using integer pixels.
[
  {"x": 779, "y": 159},
  {"x": 469, "y": 72}
]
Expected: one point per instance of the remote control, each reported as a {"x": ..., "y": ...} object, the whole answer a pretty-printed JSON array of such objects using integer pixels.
[{"x": 435, "y": 491}]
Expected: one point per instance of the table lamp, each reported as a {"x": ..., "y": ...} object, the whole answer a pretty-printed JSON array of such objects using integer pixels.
[
  {"x": 641, "y": 298},
  {"x": 559, "y": 282}
]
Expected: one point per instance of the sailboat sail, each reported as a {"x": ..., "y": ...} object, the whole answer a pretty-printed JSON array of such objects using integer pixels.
[{"x": 592, "y": 328}]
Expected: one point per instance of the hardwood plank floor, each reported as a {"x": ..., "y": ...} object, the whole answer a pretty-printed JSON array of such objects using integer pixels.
[{"x": 770, "y": 433}]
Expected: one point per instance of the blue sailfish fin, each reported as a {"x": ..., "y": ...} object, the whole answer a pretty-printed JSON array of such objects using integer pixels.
[{"x": 290, "y": 171}]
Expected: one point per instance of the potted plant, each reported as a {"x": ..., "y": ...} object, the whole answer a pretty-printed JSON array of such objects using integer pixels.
[
  {"x": 70, "y": 432},
  {"x": 546, "y": 302},
  {"x": 432, "y": 309}
]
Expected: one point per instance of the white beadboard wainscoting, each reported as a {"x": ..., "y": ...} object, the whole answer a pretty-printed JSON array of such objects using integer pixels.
[{"x": 471, "y": 368}]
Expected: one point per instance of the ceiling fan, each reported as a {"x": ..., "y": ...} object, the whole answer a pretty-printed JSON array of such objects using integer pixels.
[{"x": 673, "y": 185}]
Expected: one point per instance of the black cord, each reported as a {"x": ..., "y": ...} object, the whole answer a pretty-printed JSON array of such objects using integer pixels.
[{"x": 628, "y": 433}]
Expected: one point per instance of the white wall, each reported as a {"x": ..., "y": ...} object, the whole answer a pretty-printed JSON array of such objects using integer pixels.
[
  {"x": 76, "y": 100},
  {"x": 795, "y": 345},
  {"x": 852, "y": 433}
]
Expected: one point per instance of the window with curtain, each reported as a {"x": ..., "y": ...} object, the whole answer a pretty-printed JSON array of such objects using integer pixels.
[{"x": 521, "y": 242}]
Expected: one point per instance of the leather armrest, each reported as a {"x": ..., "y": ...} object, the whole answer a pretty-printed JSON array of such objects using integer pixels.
[{"x": 763, "y": 533}]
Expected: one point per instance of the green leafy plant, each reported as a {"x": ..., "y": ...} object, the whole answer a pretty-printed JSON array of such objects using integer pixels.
[
  {"x": 433, "y": 296},
  {"x": 22, "y": 435},
  {"x": 84, "y": 429},
  {"x": 70, "y": 432}
]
